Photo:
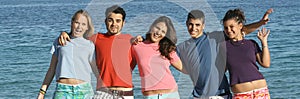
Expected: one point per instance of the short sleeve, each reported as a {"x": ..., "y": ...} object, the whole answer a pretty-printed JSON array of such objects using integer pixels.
[
  {"x": 92, "y": 56},
  {"x": 174, "y": 57},
  {"x": 93, "y": 38},
  {"x": 256, "y": 47},
  {"x": 132, "y": 55},
  {"x": 54, "y": 47}
]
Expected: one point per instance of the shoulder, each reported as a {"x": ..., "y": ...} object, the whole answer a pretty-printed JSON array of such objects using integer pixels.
[
  {"x": 250, "y": 41},
  {"x": 55, "y": 42},
  {"x": 142, "y": 44},
  {"x": 185, "y": 43},
  {"x": 128, "y": 36},
  {"x": 214, "y": 33},
  {"x": 99, "y": 34}
]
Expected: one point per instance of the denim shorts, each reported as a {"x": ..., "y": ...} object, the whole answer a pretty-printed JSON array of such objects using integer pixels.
[{"x": 79, "y": 91}]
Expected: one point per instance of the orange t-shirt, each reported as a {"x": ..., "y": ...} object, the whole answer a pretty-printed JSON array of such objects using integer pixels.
[{"x": 114, "y": 60}]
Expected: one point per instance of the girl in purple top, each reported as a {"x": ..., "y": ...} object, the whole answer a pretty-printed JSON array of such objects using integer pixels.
[{"x": 242, "y": 54}]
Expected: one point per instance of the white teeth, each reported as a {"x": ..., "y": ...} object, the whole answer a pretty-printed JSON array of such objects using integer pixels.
[{"x": 78, "y": 30}]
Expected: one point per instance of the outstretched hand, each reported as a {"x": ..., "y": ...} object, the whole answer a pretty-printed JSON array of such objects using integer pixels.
[
  {"x": 63, "y": 38},
  {"x": 263, "y": 34},
  {"x": 265, "y": 19}
]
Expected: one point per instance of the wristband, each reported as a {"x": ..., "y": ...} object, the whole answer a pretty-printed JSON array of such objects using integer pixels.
[
  {"x": 42, "y": 91},
  {"x": 264, "y": 46}
]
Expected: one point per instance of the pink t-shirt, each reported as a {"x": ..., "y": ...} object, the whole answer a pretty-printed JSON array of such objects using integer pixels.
[{"x": 153, "y": 67}]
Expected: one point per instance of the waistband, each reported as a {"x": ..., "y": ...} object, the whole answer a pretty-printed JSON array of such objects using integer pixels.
[
  {"x": 116, "y": 92},
  {"x": 77, "y": 87},
  {"x": 251, "y": 91}
]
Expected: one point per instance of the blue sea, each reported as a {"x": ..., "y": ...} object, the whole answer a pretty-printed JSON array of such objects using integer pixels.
[{"x": 28, "y": 28}]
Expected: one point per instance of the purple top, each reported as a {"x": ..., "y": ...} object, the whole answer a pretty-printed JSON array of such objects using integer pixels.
[{"x": 241, "y": 61}]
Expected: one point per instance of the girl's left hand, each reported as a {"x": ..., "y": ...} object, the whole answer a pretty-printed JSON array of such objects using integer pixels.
[{"x": 263, "y": 34}]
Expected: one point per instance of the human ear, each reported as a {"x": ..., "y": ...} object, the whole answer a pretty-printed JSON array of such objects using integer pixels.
[{"x": 241, "y": 25}]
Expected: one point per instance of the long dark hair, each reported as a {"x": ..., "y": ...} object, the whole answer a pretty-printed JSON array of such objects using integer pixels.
[{"x": 167, "y": 44}]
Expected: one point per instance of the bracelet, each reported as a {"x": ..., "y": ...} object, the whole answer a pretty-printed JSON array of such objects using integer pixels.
[
  {"x": 264, "y": 46},
  {"x": 42, "y": 91}
]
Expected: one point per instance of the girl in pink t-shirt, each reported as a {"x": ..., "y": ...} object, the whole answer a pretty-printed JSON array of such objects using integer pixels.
[{"x": 154, "y": 56}]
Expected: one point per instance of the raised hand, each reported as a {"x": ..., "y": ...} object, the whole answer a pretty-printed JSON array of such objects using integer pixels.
[
  {"x": 265, "y": 19},
  {"x": 263, "y": 34}
]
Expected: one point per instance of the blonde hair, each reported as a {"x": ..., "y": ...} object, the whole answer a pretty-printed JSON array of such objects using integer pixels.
[{"x": 90, "y": 30}]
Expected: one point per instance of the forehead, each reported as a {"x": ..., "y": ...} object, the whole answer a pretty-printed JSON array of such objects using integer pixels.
[
  {"x": 80, "y": 17},
  {"x": 161, "y": 25},
  {"x": 112, "y": 15},
  {"x": 230, "y": 22},
  {"x": 195, "y": 20}
]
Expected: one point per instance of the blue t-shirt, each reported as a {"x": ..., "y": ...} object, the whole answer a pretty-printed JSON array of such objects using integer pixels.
[
  {"x": 204, "y": 60},
  {"x": 74, "y": 59}
]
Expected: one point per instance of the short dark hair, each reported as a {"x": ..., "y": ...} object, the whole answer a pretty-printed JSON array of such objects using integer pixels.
[
  {"x": 236, "y": 14},
  {"x": 115, "y": 9},
  {"x": 196, "y": 14}
]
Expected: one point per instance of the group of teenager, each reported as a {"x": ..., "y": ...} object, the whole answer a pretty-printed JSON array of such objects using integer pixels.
[{"x": 205, "y": 57}]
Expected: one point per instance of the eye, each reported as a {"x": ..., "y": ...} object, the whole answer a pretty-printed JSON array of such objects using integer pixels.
[
  {"x": 109, "y": 20},
  {"x": 164, "y": 32},
  {"x": 119, "y": 20},
  {"x": 225, "y": 28},
  {"x": 76, "y": 22}
]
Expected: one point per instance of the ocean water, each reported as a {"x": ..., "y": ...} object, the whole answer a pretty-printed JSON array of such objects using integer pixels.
[{"x": 28, "y": 28}]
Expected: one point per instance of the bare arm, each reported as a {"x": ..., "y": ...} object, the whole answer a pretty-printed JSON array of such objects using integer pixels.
[
  {"x": 49, "y": 76},
  {"x": 264, "y": 57},
  {"x": 253, "y": 26},
  {"x": 178, "y": 66},
  {"x": 63, "y": 38},
  {"x": 94, "y": 68}
]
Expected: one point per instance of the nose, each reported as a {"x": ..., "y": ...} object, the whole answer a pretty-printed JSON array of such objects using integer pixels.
[
  {"x": 113, "y": 23},
  {"x": 226, "y": 30},
  {"x": 78, "y": 26},
  {"x": 193, "y": 27}
]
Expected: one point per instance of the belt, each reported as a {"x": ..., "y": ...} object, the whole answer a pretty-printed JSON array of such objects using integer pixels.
[{"x": 116, "y": 92}]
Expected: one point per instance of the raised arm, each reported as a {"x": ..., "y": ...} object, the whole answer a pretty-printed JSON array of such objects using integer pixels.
[
  {"x": 264, "y": 57},
  {"x": 48, "y": 78},
  {"x": 63, "y": 38},
  {"x": 253, "y": 26}
]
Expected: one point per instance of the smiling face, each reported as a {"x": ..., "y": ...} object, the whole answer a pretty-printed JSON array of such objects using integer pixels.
[
  {"x": 114, "y": 23},
  {"x": 233, "y": 29},
  {"x": 79, "y": 25},
  {"x": 158, "y": 32},
  {"x": 195, "y": 27}
]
